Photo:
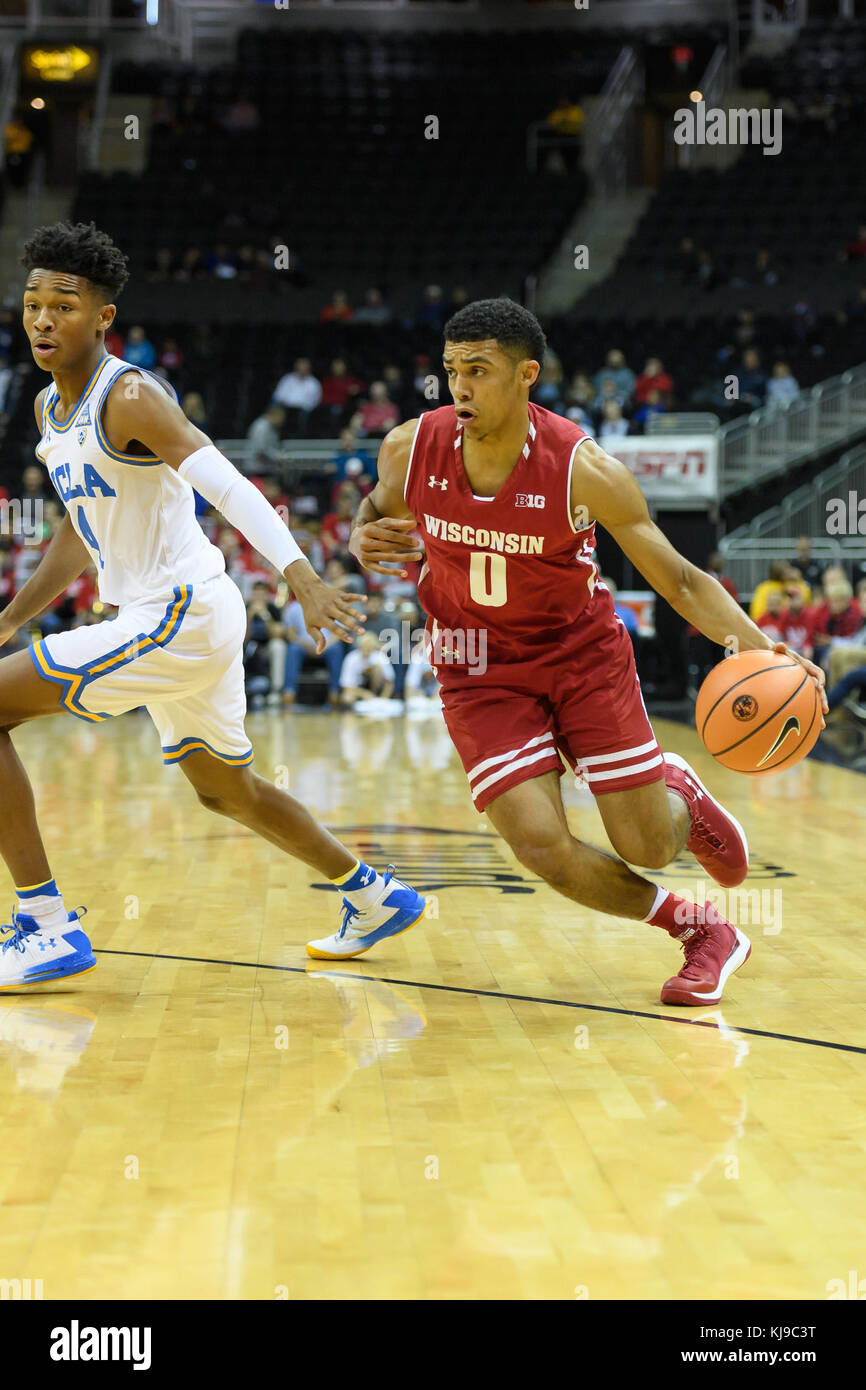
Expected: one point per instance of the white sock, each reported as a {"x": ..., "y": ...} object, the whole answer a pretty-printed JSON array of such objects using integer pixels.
[
  {"x": 362, "y": 886},
  {"x": 44, "y": 903}
]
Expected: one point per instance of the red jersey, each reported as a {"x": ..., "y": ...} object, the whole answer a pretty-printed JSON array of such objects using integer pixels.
[
  {"x": 513, "y": 566},
  {"x": 773, "y": 625},
  {"x": 797, "y": 628}
]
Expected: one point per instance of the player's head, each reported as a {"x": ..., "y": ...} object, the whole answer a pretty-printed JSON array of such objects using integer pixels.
[
  {"x": 74, "y": 273},
  {"x": 493, "y": 353}
]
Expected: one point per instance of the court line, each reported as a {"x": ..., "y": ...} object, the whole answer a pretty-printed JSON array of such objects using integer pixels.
[{"x": 496, "y": 994}]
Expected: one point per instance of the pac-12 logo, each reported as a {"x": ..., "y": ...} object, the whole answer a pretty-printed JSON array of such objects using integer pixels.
[{"x": 529, "y": 499}]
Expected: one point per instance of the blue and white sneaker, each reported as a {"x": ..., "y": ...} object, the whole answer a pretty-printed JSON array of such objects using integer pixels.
[
  {"x": 30, "y": 955},
  {"x": 399, "y": 908}
]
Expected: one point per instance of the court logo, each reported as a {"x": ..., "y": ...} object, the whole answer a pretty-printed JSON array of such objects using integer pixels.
[
  {"x": 432, "y": 859},
  {"x": 744, "y": 707}
]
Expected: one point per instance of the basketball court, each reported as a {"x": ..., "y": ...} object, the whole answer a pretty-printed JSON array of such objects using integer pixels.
[{"x": 492, "y": 1106}]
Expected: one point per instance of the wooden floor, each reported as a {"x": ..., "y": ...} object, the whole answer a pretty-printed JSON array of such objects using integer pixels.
[{"x": 494, "y": 1105}]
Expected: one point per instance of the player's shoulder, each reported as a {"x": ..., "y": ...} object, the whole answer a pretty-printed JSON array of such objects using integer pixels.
[
  {"x": 396, "y": 449},
  {"x": 131, "y": 384},
  {"x": 556, "y": 431},
  {"x": 39, "y": 405}
]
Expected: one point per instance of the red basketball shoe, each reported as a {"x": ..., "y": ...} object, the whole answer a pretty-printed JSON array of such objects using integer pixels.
[
  {"x": 717, "y": 841},
  {"x": 713, "y": 950}
]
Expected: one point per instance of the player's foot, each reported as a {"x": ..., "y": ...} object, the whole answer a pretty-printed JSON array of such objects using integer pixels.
[
  {"x": 713, "y": 950},
  {"x": 716, "y": 839},
  {"x": 399, "y": 908},
  {"x": 31, "y": 954}
]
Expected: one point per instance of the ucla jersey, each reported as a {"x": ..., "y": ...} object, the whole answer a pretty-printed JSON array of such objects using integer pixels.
[{"x": 135, "y": 514}]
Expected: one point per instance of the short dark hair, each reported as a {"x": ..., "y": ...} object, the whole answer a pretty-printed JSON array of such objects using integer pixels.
[
  {"x": 79, "y": 249},
  {"x": 514, "y": 328}
]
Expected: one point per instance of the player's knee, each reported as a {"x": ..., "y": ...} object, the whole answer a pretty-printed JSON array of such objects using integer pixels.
[
  {"x": 229, "y": 799},
  {"x": 546, "y": 857},
  {"x": 645, "y": 847}
]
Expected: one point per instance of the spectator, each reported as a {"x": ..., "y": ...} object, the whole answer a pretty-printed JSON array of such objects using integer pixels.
[
  {"x": 856, "y": 249},
  {"x": 8, "y": 394},
  {"x": 193, "y": 408},
  {"x": 746, "y": 327},
  {"x": 337, "y": 525},
  {"x": 803, "y": 320},
  {"x": 458, "y": 299},
  {"x": 706, "y": 275},
  {"x": 114, "y": 343},
  {"x": 374, "y": 311},
  {"x": 35, "y": 486},
  {"x": 162, "y": 267},
  {"x": 139, "y": 349},
  {"x": 339, "y": 389},
  {"x": 307, "y": 534},
  {"x": 782, "y": 387},
  {"x": 772, "y": 620},
  {"x": 797, "y": 623},
  {"x": 686, "y": 260},
  {"x": 352, "y": 461},
  {"x": 613, "y": 424},
  {"x": 366, "y": 668},
  {"x": 264, "y": 440},
  {"x": 653, "y": 378},
  {"x": 653, "y": 405},
  {"x": 431, "y": 314},
  {"x": 265, "y": 646},
  {"x": 752, "y": 381},
  {"x": 616, "y": 370},
  {"x": 782, "y": 577},
  {"x": 222, "y": 262},
  {"x": 378, "y": 415},
  {"x": 839, "y": 615},
  {"x": 300, "y": 392},
  {"x": 812, "y": 570},
  {"x": 192, "y": 265},
  {"x": 548, "y": 389},
  {"x": 342, "y": 572},
  {"x": 242, "y": 116},
  {"x": 567, "y": 117},
  {"x": 338, "y": 311},
  {"x": 581, "y": 393},
  {"x": 171, "y": 359},
  {"x": 301, "y": 648},
  {"x": 765, "y": 270}
]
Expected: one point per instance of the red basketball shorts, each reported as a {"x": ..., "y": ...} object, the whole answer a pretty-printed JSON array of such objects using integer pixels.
[{"x": 581, "y": 700}]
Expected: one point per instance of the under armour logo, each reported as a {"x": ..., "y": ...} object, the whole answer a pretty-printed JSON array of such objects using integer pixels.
[
  {"x": 367, "y": 877},
  {"x": 438, "y": 482}
]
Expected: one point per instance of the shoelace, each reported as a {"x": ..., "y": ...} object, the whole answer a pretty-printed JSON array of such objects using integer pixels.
[
  {"x": 350, "y": 912},
  {"x": 694, "y": 950},
  {"x": 16, "y": 940},
  {"x": 703, "y": 831}
]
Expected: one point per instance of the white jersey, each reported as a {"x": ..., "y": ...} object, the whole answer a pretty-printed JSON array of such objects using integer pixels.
[{"x": 134, "y": 513}]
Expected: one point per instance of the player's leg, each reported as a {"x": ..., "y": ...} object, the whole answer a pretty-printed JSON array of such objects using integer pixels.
[
  {"x": 531, "y": 819},
  {"x": 243, "y": 796},
  {"x": 39, "y": 946},
  {"x": 24, "y": 695}
]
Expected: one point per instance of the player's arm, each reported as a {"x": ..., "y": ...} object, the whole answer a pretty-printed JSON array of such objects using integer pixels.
[
  {"x": 605, "y": 489},
  {"x": 66, "y": 558},
  {"x": 381, "y": 529},
  {"x": 137, "y": 408}
]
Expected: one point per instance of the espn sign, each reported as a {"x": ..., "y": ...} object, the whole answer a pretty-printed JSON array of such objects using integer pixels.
[{"x": 680, "y": 469}]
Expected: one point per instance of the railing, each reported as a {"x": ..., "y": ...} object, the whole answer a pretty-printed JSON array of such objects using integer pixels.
[
  {"x": 609, "y": 137},
  {"x": 776, "y": 438},
  {"x": 296, "y": 455},
  {"x": 830, "y": 499}
]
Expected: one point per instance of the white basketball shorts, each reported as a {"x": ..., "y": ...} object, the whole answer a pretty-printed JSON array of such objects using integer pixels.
[{"x": 180, "y": 655}]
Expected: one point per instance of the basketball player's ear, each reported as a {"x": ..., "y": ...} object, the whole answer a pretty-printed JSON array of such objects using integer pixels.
[{"x": 529, "y": 370}]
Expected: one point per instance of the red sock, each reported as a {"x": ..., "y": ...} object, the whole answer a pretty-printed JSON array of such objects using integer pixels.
[{"x": 675, "y": 915}]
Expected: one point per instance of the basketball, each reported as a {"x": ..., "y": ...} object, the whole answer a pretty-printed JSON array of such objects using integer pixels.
[{"x": 758, "y": 712}]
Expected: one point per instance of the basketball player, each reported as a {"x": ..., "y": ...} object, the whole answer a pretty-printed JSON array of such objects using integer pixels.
[
  {"x": 506, "y": 496},
  {"x": 125, "y": 460}
]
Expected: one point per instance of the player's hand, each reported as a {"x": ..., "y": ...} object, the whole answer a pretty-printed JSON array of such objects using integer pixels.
[
  {"x": 324, "y": 606},
  {"x": 383, "y": 543},
  {"x": 814, "y": 671}
]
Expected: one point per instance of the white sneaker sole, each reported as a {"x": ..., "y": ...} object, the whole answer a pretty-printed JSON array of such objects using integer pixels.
[{"x": 677, "y": 761}]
